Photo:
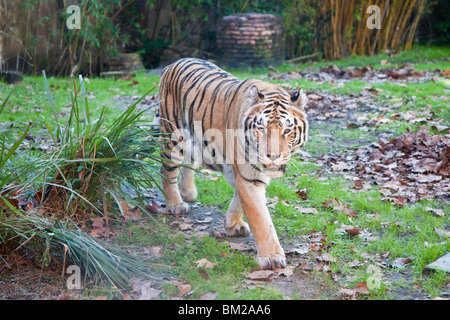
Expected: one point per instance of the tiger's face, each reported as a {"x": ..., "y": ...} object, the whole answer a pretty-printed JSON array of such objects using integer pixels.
[{"x": 277, "y": 128}]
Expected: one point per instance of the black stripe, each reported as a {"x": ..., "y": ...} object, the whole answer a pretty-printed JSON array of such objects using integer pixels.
[
  {"x": 234, "y": 96},
  {"x": 254, "y": 181}
]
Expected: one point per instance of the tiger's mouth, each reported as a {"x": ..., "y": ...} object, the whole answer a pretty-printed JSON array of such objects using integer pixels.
[{"x": 274, "y": 167}]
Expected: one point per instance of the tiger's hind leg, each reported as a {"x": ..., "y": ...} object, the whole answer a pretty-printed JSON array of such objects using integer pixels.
[
  {"x": 187, "y": 183},
  {"x": 174, "y": 202}
]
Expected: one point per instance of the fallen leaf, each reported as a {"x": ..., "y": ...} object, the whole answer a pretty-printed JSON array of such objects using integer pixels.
[
  {"x": 260, "y": 275},
  {"x": 284, "y": 272},
  {"x": 144, "y": 289},
  {"x": 183, "y": 226},
  {"x": 348, "y": 292},
  {"x": 358, "y": 184},
  {"x": 355, "y": 263},
  {"x": 99, "y": 228},
  {"x": 442, "y": 233},
  {"x": 305, "y": 266},
  {"x": 129, "y": 213},
  {"x": 317, "y": 247},
  {"x": 153, "y": 208},
  {"x": 206, "y": 220},
  {"x": 352, "y": 230},
  {"x": 307, "y": 210},
  {"x": 322, "y": 266},
  {"x": 204, "y": 263},
  {"x": 345, "y": 210},
  {"x": 428, "y": 178},
  {"x": 239, "y": 246},
  {"x": 438, "y": 212},
  {"x": 401, "y": 262},
  {"x": 340, "y": 166},
  {"x": 303, "y": 249},
  {"x": 326, "y": 257},
  {"x": 203, "y": 273},
  {"x": 302, "y": 194},
  {"x": 331, "y": 202},
  {"x": 184, "y": 289},
  {"x": 154, "y": 251},
  {"x": 361, "y": 288},
  {"x": 209, "y": 296}
]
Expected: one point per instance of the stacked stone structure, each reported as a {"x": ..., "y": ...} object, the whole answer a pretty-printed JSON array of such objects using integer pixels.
[{"x": 250, "y": 39}]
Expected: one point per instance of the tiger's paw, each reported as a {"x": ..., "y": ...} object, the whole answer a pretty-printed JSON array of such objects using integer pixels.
[
  {"x": 238, "y": 229},
  {"x": 272, "y": 261},
  {"x": 189, "y": 195},
  {"x": 178, "y": 209}
]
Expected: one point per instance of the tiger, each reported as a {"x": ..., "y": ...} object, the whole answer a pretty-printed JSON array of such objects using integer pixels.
[{"x": 250, "y": 129}]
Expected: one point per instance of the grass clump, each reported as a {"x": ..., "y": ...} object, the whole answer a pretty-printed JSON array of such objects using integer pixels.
[{"x": 100, "y": 167}]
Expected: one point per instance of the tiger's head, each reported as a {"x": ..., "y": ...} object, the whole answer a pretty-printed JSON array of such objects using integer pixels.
[{"x": 276, "y": 127}]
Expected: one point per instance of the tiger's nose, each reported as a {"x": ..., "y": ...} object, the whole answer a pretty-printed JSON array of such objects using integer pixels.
[{"x": 272, "y": 156}]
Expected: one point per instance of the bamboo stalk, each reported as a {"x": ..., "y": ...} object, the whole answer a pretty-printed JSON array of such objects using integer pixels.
[{"x": 412, "y": 30}]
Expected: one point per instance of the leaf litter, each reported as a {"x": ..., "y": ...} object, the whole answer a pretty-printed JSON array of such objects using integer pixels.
[
  {"x": 410, "y": 164},
  {"x": 408, "y": 168},
  {"x": 366, "y": 73}
]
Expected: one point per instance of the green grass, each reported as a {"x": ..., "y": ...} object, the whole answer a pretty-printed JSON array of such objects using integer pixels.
[
  {"x": 402, "y": 232},
  {"x": 29, "y": 100}
]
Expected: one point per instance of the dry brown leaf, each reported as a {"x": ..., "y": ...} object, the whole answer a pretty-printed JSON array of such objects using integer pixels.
[
  {"x": 401, "y": 262},
  {"x": 340, "y": 166},
  {"x": 302, "y": 194},
  {"x": 307, "y": 210},
  {"x": 352, "y": 230},
  {"x": 300, "y": 249},
  {"x": 331, "y": 202},
  {"x": 360, "y": 288},
  {"x": 153, "y": 208},
  {"x": 316, "y": 247},
  {"x": 203, "y": 273},
  {"x": 183, "y": 288},
  {"x": 326, "y": 257},
  {"x": 204, "y": 263},
  {"x": 438, "y": 212},
  {"x": 305, "y": 266},
  {"x": 183, "y": 226},
  {"x": 442, "y": 233},
  {"x": 144, "y": 289},
  {"x": 260, "y": 275},
  {"x": 99, "y": 228},
  {"x": 358, "y": 184},
  {"x": 287, "y": 271},
  {"x": 345, "y": 210},
  {"x": 129, "y": 213}
]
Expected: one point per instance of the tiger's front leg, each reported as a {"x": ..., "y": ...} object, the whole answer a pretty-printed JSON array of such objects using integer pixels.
[{"x": 253, "y": 200}]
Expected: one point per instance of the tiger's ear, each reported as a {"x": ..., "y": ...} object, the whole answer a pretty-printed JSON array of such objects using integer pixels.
[
  {"x": 255, "y": 95},
  {"x": 299, "y": 99}
]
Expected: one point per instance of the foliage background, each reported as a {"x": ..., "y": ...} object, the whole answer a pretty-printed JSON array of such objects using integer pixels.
[{"x": 34, "y": 37}]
